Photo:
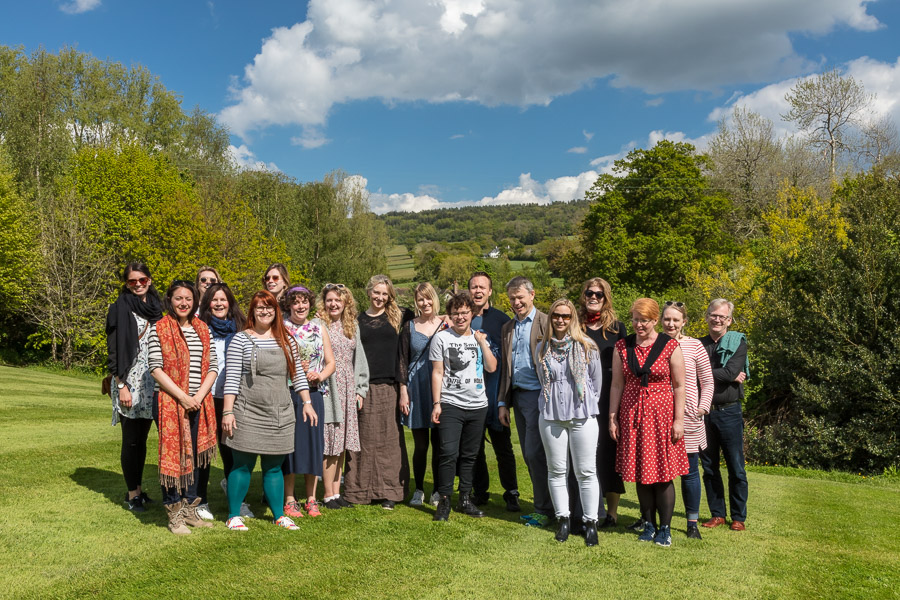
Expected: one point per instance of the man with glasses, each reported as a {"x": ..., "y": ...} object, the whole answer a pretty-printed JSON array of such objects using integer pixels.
[
  {"x": 725, "y": 423},
  {"x": 491, "y": 320},
  {"x": 521, "y": 389}
]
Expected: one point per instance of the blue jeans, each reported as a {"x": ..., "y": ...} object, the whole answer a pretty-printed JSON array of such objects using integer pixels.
[
  {"x": 690, "y": 488},
  {"x": 725, "y": 435}
]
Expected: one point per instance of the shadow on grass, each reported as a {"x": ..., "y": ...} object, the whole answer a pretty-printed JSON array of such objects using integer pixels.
[{"x": 110, "y": 484}]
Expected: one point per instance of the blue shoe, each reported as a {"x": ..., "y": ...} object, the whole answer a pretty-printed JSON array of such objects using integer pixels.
[
  {"x": 649, "y": 533},
  {"x": 535, "y": 520},
  {"x": 663, "y": 537}
]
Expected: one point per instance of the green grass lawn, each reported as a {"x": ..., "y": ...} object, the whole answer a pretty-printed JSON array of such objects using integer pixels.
[
  {"x": 65, "y": 534},
  {"x": 401, "y": 266}
]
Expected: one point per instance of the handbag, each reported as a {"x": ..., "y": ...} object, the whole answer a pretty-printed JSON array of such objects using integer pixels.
[{"x": 106, "y": 384}]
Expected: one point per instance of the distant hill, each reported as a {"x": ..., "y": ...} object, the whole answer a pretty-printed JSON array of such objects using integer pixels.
[{"x": 526, "y": 223}]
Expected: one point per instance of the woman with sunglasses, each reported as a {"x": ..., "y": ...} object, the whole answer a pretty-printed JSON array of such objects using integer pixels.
[
  {"x": 276, "y": 280},
  {"x": 598, "y": 320},
  {"x": 571, "y": 376},
  {"x": 317, "y": 360},
  {"x": 347, "y": 386},
  {"x": 379, "y": 472},
  {"x": 132, "y": 387},
  {"x": 646, "y": 418},
  {"x": 221, "y": 313},
  {"x": 258, "y": 418},
  {"x": 696, "y": 404},
  {"x": 183, "y": 362},
  {"x": 206, "y": 276}
]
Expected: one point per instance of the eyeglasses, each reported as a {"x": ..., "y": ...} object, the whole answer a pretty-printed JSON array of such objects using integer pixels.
[
  {"x": 208, "y": 280},
  {"x": 265, "y": 310},
  {"x": 275, "y": 278},
  {"x": 335, "y": 286},
  {"x": 675, "y": 304},
  {"x": 567, "y": 317},
  {"x": 718, "y": 317},
  {"x": 133, "y": 283},
  {"x": 599, "y": 295},
  {"x": 461, "y": 314}
]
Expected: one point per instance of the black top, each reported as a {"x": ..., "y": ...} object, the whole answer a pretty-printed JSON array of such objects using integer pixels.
[
  {"x": 607, "y": 347},
  {"x": 726, "y": 389},
  {"x": 491, "y": 321},
  {"x": 382, "y": 345}
]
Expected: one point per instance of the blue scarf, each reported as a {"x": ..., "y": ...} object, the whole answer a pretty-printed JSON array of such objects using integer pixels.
[{"x": 222, "y": 328}]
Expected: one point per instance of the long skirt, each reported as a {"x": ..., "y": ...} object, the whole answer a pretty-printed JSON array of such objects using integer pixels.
[{"x": 309, "y": 440}]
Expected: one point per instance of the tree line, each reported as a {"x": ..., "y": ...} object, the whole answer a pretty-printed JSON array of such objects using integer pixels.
[{"x": 100, "y": 165}]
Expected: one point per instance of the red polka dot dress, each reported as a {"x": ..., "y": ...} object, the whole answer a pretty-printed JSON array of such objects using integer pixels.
[{"x": 645, "y": 452}]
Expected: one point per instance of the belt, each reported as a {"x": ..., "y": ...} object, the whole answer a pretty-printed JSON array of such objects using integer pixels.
[{"x": 723, "y": 405}]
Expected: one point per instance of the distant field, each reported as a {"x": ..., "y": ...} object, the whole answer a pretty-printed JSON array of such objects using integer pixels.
[
  {"x": 518, "y": 265},
  {"x": 400, "y": 264}
]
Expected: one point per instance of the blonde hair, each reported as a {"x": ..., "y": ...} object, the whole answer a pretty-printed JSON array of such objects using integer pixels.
[
  {"x": 394, "y": 315},
  {"x": 608, "y": 316},
  {"x": 647, "y": 308},
  {"x": 426, "y": 290},
  {"x": 574, "y": 330},
  {"x": 348, "y": 315}
]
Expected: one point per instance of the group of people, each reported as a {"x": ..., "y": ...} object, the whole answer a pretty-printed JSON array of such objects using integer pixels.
[{"x": 307, "y": 385}]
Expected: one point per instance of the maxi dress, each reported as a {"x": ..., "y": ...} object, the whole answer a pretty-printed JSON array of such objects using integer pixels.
[
  {"x": 645, "y": 453},
  {"x": 343, "y": 435}
]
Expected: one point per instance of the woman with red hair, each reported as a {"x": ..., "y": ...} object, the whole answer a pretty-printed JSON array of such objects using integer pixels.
[
  {"x": 646, "y": 417},
  {"x": 258, "y": 414}
]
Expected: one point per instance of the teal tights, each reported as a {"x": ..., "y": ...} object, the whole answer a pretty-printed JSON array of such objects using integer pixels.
[{"x": 239, "y": 481}]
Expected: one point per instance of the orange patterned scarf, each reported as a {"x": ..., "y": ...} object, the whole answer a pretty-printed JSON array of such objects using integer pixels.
[{"x": 176, "y": 460}]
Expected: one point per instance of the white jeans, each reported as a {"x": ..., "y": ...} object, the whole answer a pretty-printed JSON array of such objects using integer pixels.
[{"x": 579, "y": 435}]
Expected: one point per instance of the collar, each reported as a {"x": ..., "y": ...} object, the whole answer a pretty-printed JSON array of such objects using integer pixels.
[{"x": 529, "y": 317}]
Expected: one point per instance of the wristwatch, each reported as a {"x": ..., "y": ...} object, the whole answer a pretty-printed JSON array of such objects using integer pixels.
[{"x": 120, "y": 385}]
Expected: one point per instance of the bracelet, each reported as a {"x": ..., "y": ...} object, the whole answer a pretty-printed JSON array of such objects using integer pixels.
[
  {"x": 225, "y": 413},
  {"x": 307, "y": 402}
]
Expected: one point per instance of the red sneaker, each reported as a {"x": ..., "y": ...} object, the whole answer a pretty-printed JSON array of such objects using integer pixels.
[
  {"x": 312, "y": 508},
  {"x": 292, "y": 509}
]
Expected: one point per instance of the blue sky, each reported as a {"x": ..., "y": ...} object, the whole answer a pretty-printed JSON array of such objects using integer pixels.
[{"x": 473, "y": 101}]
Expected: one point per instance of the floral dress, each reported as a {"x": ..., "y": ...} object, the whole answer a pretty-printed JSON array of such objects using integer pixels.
[
  {"x": 139, "y": 380},
  {"x": 345, "y": 434},
  {"x": 645, "y": 452},
  {"x": 311, "y": 346}
]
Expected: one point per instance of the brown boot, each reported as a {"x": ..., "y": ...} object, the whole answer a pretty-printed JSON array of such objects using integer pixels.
[
  {"x": 176, "y": 518},
  {"x": 190, "y": 514}
]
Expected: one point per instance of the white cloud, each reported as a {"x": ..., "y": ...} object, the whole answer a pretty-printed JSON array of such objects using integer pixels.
[
  {"x": 577, "y": 150},
  {"x": 588, "y": 135},
  {"x": 653, "y": 102},
  {"x": 519, "y": 52},
  {"x": 311, "y": 138},
  {"x": 604, "y": 164},
  {"x": 243, "y": 158},
  {"x": 79, "y": 6},
  {"x": 408, "y": 202},
  {"x": 530, "y": 191},
  {"x": 457, "y": 136}
]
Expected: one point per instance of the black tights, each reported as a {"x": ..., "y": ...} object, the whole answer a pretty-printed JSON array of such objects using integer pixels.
[
  {"x": 657, "y": 497},
  {"x": 420, "y": 455},
  {"x": 134, "y": 450}
]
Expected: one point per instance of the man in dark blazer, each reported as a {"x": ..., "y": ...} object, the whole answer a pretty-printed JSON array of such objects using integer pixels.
[{"x": 521, "y": 389}]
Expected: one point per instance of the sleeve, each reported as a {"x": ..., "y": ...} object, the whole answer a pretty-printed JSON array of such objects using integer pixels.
[
  {"x": 595, "y": 372},
  {"x": 234, "y": 364},
  {"x": 111, "y": 339},
  {"x": 154, "y": 355},
  {"x": 403, "y": 354},
  {"x": 360, "y": 366},
  {"x": 213, "y": 359},
  {"x": 705, "y": 378},
  {"x": 727, "y": 372},
  {"x": 298, "y": 377},
  {"x": 436, "y": 350}
]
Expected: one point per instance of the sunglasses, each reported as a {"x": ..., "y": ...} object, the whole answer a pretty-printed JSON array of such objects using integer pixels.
[
  {"x": 208, "y": 280},
  {"x": 555, "y": 316},
  {"x": 182, "y": 283},
  {"x": 133, "y": 283},
  {"x": 593, "y": 294},
  {"x": 675, "y": 304},
  {"x": 272, "y": 278},
  {"x": 334, "y": 286}
]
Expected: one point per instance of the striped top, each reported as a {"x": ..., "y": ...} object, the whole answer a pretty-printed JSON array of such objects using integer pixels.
[
  {"x": 195, "y": 347},
  {"x": 697, "y": 370},
  {"x": 239, "y": 358}
]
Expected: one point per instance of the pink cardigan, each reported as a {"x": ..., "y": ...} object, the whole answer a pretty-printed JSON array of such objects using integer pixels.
[{"x": 696, "y": 369}]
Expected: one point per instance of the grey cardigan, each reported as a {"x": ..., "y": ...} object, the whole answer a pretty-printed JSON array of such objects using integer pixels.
[{"x": 333, "y": 412}]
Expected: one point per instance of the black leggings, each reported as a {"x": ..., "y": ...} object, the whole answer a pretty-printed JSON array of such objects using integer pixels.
[
  {"x": 134, "y": 450},
  {"x": 420, "y": 455},
  {"x": 657, "y": 498}
]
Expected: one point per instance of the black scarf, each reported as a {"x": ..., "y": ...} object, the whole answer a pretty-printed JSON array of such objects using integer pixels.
[
  {"x": 639, "y": 371},
  {"x": 122, "y": 320}
]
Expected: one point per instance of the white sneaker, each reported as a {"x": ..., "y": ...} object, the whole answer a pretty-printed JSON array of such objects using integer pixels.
[
  {"x": 418, "y": 498},
  {"x": 246, "y": 512},
  {"x": 435, "y": 499},
  {"x": 235, "y": 524},
  {"x": 204, "y": 513},
  {"x": 286, "y": 522}
]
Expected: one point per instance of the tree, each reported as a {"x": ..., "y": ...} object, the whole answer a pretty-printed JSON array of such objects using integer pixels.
[
  {"x": 18, "y": 245},
  {"x": 649, "y": 220},
  {"x": 826, "y": 106}
]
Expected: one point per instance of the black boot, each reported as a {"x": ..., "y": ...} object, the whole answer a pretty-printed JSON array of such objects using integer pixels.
[
  {"x": 443, "y": 509},
  {"x": 512, "y": 501},
  {"x": 590, "y": 533},
  {"x": 466, "y": 507},
  {"x": 562, "y": 534}
]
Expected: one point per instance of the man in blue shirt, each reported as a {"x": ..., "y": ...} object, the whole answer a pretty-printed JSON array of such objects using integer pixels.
[
  {"x": 491, "y": 321},
  {"x": 521, "y": 389}
]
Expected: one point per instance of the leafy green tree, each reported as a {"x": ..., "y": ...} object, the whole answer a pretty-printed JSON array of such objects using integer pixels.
[
  {"x": 649, "y": 220},
  {"x": 18, "y": 244}
]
